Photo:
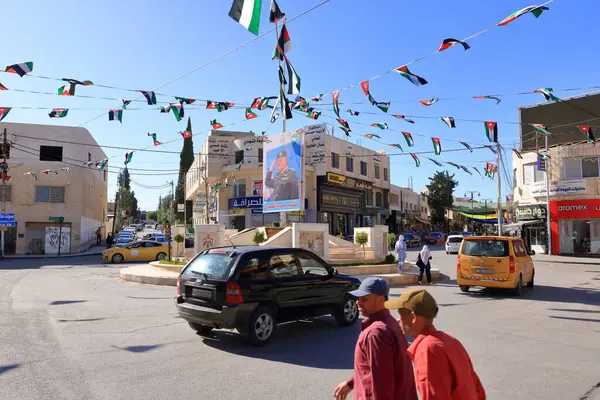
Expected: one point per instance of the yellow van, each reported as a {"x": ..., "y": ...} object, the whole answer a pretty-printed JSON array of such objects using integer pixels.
[{"x": 494, "y": 261}]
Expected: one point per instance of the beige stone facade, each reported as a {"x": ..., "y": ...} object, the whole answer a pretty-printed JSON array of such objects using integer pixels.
[{"x": 79, "y": 195}]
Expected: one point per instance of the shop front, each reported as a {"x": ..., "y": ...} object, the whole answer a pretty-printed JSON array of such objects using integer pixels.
[
  {"x": 340, "y": 203},
  {"x": 244, "y": 212},
  {"x": 575, "y": 226},
  {"x": 531, "y": 219}
]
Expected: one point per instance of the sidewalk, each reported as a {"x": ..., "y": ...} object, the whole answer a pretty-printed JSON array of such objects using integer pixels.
[
  {"x": 92, "y": 251},
  {"x": 565, "y": 259}
]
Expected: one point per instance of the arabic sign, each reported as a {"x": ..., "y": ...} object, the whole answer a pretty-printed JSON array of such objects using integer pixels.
[
  {"x": 218, "y": 148},
  {"x": 530, "y": 212},
  {"x": 245, "y": 202},
  {"x": 7, "y": 219},
  {"x": 559, "y": 188},
  {"x": 314, "y": 147},
  {"x": 348, "y": 182}
]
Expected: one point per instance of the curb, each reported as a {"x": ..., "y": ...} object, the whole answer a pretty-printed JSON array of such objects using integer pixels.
[
  {"x": 167, "y": 267},
  {"x": 405, "y": 279},
  {"x": 148, "y": 275},
  {"x": 45, "y": 257}
]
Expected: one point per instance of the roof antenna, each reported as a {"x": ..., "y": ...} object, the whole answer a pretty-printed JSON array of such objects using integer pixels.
[{"x": 229, "y": 238}]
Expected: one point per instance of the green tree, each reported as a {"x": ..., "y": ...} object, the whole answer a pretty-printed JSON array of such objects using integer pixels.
[
  {"x": 259, "y": 237},
  {"x": 153, "y": 215},
  {"x": 164, "y": 209},
  {"x": 127, "y": 200},
  {"x": 362, "y": 238},
  {"x": 186, "y": 158},
  {"x": 439, "y": 198}
]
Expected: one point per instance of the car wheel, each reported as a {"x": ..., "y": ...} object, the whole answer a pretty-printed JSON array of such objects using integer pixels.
[
  {"x": 161, "y": 256},
  {"x": 347, "y": 314},
  {"x": 447, "y": 252},
  {"x": 530, "y": 283},
  {"x": 262, "y": 326},
  {"x": 117, "y": 258},
  {"x": 201, "y": 329},
  {"x": 464, "y": 288},
  {"x": 519, "y": 288}
]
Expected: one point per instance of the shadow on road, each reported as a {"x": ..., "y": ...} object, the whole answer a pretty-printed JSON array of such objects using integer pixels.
[
  {"x": 328, "y": 346},
  {"x": 576, "y": 295},
  {"x": 575, "y": 319},
  {"x": 5, "y": 368},
  {"x": 574, "y": 310},
  {"x": 63, "y": 302}
]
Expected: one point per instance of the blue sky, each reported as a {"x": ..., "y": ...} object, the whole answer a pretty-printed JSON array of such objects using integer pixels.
[{"x": 145, "y": 44}]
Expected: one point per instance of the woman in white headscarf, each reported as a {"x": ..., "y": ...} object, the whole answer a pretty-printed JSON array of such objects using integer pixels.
[
  {"x": 401, "y": 251},
  {"x": 423, "y": 264}
]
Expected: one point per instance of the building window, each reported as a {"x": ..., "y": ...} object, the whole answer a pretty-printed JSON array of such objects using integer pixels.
[
  {"x": 105, "y": 174},
  {"x": 576, "y": 168},
  {"x": 335, "y": 160},
  {"x": 260, "y": 155},
  {"x": 5, "y": 151},
  {"x": 5, "y": 192},
  {"x": 239, "y": 189},
  {"x": 89, "y": 156},
  {"x": 49, "y": 194},
  {"x": 589, "y": 167},
  {"x": 363, "y": 168},
  {"x": 385, "y": 174},
  {"x": 514, "y": 178},
  {"x": 376, "y": 172},
  {"x": 531, "y": 174},
  {"x": 349, "y": 164},
  {"x": 379, "y": 199},
  {"x": 369, "y": 198},
  {"x": 51, "y": 153},
  {"x": 239, "y": 156}
]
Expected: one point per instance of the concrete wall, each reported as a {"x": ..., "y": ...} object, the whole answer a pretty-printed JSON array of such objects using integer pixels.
[{"x": 283, "y": 238}]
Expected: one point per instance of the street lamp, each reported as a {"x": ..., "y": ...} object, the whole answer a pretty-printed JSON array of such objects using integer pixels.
[
  {"x": 472, "y": 192},
  {"x": 485, "y": 202}
]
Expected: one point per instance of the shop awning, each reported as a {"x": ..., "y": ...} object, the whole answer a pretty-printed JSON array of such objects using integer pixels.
[
  {"x": 423, "y": 221},
  {"x": 519, "y": 225}
]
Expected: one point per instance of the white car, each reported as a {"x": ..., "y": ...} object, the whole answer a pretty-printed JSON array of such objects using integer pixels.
[{"x": 453, "y": 243}]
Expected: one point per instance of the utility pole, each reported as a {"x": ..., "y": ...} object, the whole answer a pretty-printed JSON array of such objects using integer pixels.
[
  {"x": 116, "y": 212},
  {"x": 486, "y": 202},
  {"x": 4, "y": 175},
  {"x": 499, "y": 168},
  {"x": 170, "y": 233},
  {"x": 283, "y": 214},
  {"x": 548, "y": 227},
  {"x": 401, "y": 212}
]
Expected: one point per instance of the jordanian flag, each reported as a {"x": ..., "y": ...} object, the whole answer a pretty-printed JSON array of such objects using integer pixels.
[
  {"x": 417, "y": 161},
  {"x": 185, "y": 100},
  {"x": 414, "y": 79},
  {"x": 345, "y": 124},
  {"x": 4, "y": 112},
  {"x": 353, "y": 113},
  {"x": 318, "y": 97},
  {"x": 283, "y": 45},
  {"x": 547, "y": 93},
  {"x": 336, "y": 106},
  {"x": 313, "y": 114},
  {"x": 410, "y": 121},
  {"x": 371, "y": 136},
  {"x": 126, "y": 103},
  {"x": 535, "y": 10},
  {"x": 396, "y": 145},
  {"x": 542, "y": 129},
  {"x": 188, "y": 130},
  {"x": 58, "y": 112},
  {"x": 491, "y": 131},
  {"x": 447, "y": 43},
  {"x": 467, "y": 146},
  {"x": 2, "y": 87},
  {"x": 156, "y": 142},
  {"x": 32, "y": 174},
  {"x": 383, "y": 105},
  {"x": 475, "y": 168},
  {"x": 66, "y": 169},
  {"x": 47, "y": 171},
  {"x": 453, "y": 164},
  {"x": 427, "y": 103},
  {"x": 518, "y": 154},
  {"x": 149, "y": 95},
  {"x": 488, "y": 97},
  {"x": 275, "y": 13},
  {"x": 409, "y": 139},
  {"x": 66, "y": 90},
  {"x": 449, "y": 121},
  {"x": 587, "y": 131},
  {"x": 346, "y": 130},
  {"x": 439, "y": 164},
  {"x": 115, "y": 114},
  {"x": 380, "y": 125},
  {"x": 102, "y": 164},
  {"x": 20, "y": 69},
  {"x": 128, "y": 157},
  {"x": 215, "y": 124},
  {"x": 487, "y": 146},
  {"x": 178, "y": 110},
  {"x": 437, "y": 146},
  {"x": 247, "y": 13},
  {"x": 466, "y": 170},
  {"x": 250, "y": 114},
  {"x": 293, "y": 78}
]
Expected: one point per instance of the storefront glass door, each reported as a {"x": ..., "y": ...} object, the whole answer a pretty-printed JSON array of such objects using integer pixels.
[
  {"x": 595, "y": 236},
  {"x": 565, "y": 227}
]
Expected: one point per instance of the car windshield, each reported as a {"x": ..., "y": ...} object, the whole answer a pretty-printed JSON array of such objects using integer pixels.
[
  {"x": 213, "y": 265},
  {"x": 455, "y": 240},
  {"x": 485, "y": 248}
]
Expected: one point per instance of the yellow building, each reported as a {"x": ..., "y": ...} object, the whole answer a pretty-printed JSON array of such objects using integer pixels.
[{"x": 78, "y": 195}]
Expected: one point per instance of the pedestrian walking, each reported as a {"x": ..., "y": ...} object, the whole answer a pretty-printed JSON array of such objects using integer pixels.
[
  {"x": 98, "y": 237},
  {"x": 423, "y": 264},
  {"x": 401, "y": 251},
  {"x": 382, "y": 368},
  {"x": 443, "y": 369},
  {"x": 109, "y": 240}
]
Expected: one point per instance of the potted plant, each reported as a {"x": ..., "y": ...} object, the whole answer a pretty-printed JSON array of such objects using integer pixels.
[
  {"x": 259, "y": 237},
  {"x": 362, "y": 238},
  {"x": 178, "y": 239}
]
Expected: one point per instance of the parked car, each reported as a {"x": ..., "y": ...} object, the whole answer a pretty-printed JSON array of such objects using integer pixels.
[
  {"x": 465, "y": 234},
  {"x": 453, "y": 243},
  {"x": 142, "y": 250},
  {"x": 494, "y": 261},
  {"x": 189, "y": 240},
  {"x": 435, "y": 238},
  {"x": 158, "y": 236},
  {"x": 122, "y": 240},
  {"x": 454, "y": 233},
  {"x": 128, "y": 234},
  {"x": 253, "y": 288},
  {"x": 411, "y": 239}
]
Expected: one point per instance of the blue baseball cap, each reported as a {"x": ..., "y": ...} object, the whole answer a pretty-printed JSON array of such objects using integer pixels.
[{"x": 371, "y": 285}]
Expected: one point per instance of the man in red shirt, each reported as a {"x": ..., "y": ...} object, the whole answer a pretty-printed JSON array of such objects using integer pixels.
[
  {"x": 382, "y": 368},
  {"x": 443, "y": 369}
]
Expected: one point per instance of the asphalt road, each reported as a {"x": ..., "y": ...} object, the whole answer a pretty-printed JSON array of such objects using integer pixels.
[{"x": 70, "y": 329}]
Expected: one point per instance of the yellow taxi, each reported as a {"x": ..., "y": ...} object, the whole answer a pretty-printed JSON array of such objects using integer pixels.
[
  {"x": 494, "y": 261},
  {"x": 142, "y": 250}
]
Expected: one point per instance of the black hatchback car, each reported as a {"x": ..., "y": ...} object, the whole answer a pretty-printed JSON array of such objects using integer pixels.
[{"x": 253, "y": 288}]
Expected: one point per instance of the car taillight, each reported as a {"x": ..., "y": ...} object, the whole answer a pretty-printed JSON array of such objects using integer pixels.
[
  {"x": 179, "y": 285},
  {"x": 458, "y": 263},
  {"x": 233, "y": 293},
  {"x": 512, "y": 267}
]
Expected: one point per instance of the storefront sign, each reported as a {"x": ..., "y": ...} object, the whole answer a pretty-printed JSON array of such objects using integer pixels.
[
  {"x": 245, "y": 202},
  {"x": 348, "y": 182},
  {"x": 340, "y": 200},
  {"x": 364, "y": 185},
  {"x": 558, "y": 188},
  {"x": 236, "y": 211},
  {"x": 530, "y": 212},
  {"x": 575, "y": 209}
]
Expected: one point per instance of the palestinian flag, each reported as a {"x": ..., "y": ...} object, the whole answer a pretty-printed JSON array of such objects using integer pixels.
[
  {"x": 281, "y": 74},
  {"x": 128, "y": 157},
  {"x": 76, "y": 82},
  {"x": 380, "y": 125},
  {"x": 354, "y": 113},
  {"x": 185, "y": 100},
  {"x": 66, "y": 90},
  {"x": 467, "y": 146},
  {"x": 371, "y": 136},
  {"x": 4, "y": 112},
  {"x": 449, "y": 121},
  {"x": 47, "y": 171},
  {"x": 66, "y": 169},
  {"x": 149, "y": 95},
  {"x": 215, "y": 124},
  {"x": 250, "y": 114},
  {"x": 313, "y": 114},
  {"x": 466, "y": 170},
  {"x": 210, "y": 105},
  {"x": 223, "y": 106},
  {"x": 274, "y": 116},
  {"x": 518, "y": 154},
  {"x": 535, "y": 10},
  {"x": 414, "y": 79},
  {"x": 587, "y": 131},
  {"x": 417, "y": 161},
  {"x": 475, "y": 168},
  {"x": 346, "y": 130},
  {"x": 365, "y": 88},
  {"x": 275, "y": 13},
  {"x": 344, "y": 123},
  {"x": 115, "y": 114},
  {"x": 410, "y": 121},
  {"x": 2, "y": 87},
  {"x": 32, "y": 174},
  {"x": 126, "y": 103},
  {"x": 447, "y": 43},
  {"x": 178, "y": 110},
  {"x": 156, "y": 142},
  {"x": 188, "y": 130},
  {"x": 383, "y": 105},
  {"x": 283, "y": 45},
  {"x": 239, "y": 165},
  {"x": 409, "y": 139},
  {"x": 453, "y": 164},
  {"x": 317, "y": 98},
  {"x": 437, "y": 146},
  {"x": 301, "y": 103},
  {"x": 165, "y": 109},
  {"x": 427, "y": 103},
  {"x": 488, "y": 97},
  {"x": 398, "y": 146},
  {"x": 439, "y": 164},
  {"x": 336, "y": 106},
  {"x": 285, "y": 105},
  {"x": 542, "y": 129},
  {"x": 547, "y": 93},
  {"x": 247, "y": 13},
  {"x": 58, "y": 112},
  {"x": 20, "y": 69},
  {"x": 293, "y": 78},
  {"x": 102, "y": 164},
  {"x": 491, "y": 131},
  {"x": 543, "y": 156},
  {"x": 487, "y": 146}
]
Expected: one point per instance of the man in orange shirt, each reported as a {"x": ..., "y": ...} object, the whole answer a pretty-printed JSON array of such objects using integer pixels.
[{"x": 443, "y": 369}]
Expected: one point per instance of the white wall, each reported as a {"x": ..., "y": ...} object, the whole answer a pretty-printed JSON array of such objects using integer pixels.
[{"x": 88, "y": 232}]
